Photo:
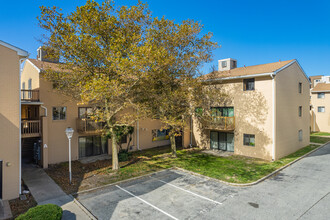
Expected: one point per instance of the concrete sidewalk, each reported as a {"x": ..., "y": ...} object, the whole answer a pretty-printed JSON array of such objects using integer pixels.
[{"x": 45, "y": 190}]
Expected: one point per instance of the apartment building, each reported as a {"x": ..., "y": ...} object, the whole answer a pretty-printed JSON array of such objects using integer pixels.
[
  {"x": 262, "y": 111},
  {"x": 46, "y": 114},
  {"x": 11, "y": 58},
  {"x": 320, "y": 103}
]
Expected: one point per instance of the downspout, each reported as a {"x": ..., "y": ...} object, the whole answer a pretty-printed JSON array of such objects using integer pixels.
[
  {"x": 20, "y": 128},
  {"x": 191, "y": 132},
  {"x": 138, "y": 135},
  {"x": 273, "y": 109},
  {"x": 45, "y": 110}
]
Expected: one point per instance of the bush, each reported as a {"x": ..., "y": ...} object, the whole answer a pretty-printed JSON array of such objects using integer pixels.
[
  {"x": 123, "y": 155},
  {"x": 41, "y": 212}
]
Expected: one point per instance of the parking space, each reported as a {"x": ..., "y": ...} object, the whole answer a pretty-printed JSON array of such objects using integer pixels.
[
  {"x": 169, "y": 194},
  {"x": 301, "y": 191}
]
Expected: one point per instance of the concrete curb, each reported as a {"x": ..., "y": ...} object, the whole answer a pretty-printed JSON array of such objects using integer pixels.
[
  {"x": 261, "y": 179},
  {"x": 119, "y": 182},
  {"x": 83, "y": 208}
]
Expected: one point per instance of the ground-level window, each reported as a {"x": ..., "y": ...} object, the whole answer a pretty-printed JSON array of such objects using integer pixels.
[
  {"x": 320, "y": 109},
  {"x": 300, "y": 135},
  {"x": 300, "y": 111},
  {"x": 249, "y": 140},
  {"x": 222, "y": 141},
  {"x": 92, "y": 145},
  {"x": 59, "y": 113},
  {"x": 160, "y": 135},
  {"x": 320, "y": 95}
]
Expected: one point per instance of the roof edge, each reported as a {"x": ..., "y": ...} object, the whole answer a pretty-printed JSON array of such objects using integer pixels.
[
  {"x": 38, "y": 69},
  {"x": 239, "y": 77},
  {"x": 19, "y": 51}
]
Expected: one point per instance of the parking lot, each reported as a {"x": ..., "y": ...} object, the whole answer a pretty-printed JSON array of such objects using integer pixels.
[{"x": 301, "y": 191}]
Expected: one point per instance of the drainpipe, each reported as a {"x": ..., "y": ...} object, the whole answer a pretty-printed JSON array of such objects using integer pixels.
[
  {"x": 45, "y": 110},
  {"x": 20, "y": 128},
  {"x": 191, "y": 132},
  {"x": 274, "y": 141},
  {"x": 137, "y": 135}
]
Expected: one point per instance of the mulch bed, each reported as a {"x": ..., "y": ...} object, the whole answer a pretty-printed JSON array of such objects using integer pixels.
[{"x": 21, "y": 206}]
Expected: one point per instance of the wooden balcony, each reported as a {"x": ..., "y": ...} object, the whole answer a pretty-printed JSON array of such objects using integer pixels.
[
  {"x": 31, "y": 128},
  {"x": 30, "y": 95},
  {"x": 89, "y": 126},
  {"x": 221, "y": 123}
]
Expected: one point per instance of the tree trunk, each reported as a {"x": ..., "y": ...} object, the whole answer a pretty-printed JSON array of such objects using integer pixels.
[
  {"x": 173, "y": 146},
  {"x": 115, "y": 164}
]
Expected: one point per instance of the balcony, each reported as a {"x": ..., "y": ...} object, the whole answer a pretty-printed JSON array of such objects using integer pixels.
[
  {"x": 89, "y": 126},
  {"x": 221, "y": 123},
  {"x": 29, "y": 95},
  {"x": 30, "y": 128}
]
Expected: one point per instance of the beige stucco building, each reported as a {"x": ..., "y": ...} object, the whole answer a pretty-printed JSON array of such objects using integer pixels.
[
  {"x": 262, "y": 111},
  {"x": 320, "y": 103},
  {"x": 11, "y": 58},
  {"x": 46, "y": 114}
]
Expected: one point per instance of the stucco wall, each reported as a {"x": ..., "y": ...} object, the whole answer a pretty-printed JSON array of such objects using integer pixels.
[
  {"x": 30, "y": 72},
  {"x": 320, "y": 121},
  {"x": 288, "y": 100},
  {"x": 9, "y": 121},
  {"x": 253, "y": 115}
]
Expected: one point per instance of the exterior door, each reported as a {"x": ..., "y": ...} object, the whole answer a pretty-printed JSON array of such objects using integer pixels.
[
  {"x": 0, "y": 179},
  {"x": 230, "y": 142},
  {"x": 222, "y": 141},
  {"x": 214, "y": 136}
]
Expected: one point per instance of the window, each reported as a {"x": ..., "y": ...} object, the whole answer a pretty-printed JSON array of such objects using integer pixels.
[
  {"x": 30, "y": 88},
  {"x": 123, "y": 139},
  {"x": 300, "y": 111},
  {"x": 92, "y": 145},
  {"x": 300, "y": 135},
  {"x": 248, "y": 84},
  {"x": 59, "y": 113},
  {"x": 23, "y": 88},
  {"x": 320, "y": 95},
  {"x": 224, "y": 64},
  {"x": 160, "y": 135},
  {"x": 85, "y": 112},
  {"x": 321, "y": 109},
  {"x": 234, "y": 64},
  {"x": 300, "y": 88},
  {"x": 249, "y": 139}
]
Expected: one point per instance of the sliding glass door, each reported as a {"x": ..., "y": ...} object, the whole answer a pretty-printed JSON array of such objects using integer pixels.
[
  {"x": 222, "y": 141},
  {"x": 92, "y": 145}
]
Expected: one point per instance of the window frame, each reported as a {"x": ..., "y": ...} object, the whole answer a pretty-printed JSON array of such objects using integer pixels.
[
  {"x": 300, "y": 87},
  {"x": 249, "y": 137},
  {"x": 224, "y": 64},
  {"x": 64, "y": 107},
  {"x": 300, "y": 111},
  {"x": 245, "y": 83},
  {"x": 318, "y": 109},
  {"x": 319, "y": 93},
  {"x": 300, "y": 135}
]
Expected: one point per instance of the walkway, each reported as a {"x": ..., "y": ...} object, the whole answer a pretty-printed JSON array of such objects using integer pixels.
[{"x": 45, "y": 190}]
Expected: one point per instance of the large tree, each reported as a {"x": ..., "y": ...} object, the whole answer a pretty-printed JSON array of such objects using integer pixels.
[
  {"x": 125, "y": 63},
  {"x": 175, "y": 89}
]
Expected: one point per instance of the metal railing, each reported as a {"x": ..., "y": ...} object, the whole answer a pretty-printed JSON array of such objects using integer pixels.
[
  {"x": 31, "y": 128},
  {"x": 30, "y": 95},
  {"x": 89, "y": 126},
  {"x": 222, "y": 123}
]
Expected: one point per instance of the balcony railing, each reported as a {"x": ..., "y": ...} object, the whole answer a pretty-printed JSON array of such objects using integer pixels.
[
  {"x": 89, "y": 126},
  {"x": 31, "y": 128},
  {"x": 221, "y": 123},
  {"x": 30, "y": 95}
]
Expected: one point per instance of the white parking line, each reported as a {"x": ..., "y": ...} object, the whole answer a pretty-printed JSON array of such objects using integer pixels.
[
  {"x": 147, "y": 203},
  {"x": 203, "y": 197}
]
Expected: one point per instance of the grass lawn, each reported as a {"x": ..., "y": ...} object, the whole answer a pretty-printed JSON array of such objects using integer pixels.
[
  {"x": 235, "y": 169},
  {"x": 320, "y": 140},
  {"x": 320, "y": 134}
]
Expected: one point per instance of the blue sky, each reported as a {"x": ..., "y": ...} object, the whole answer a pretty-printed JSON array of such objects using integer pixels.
[{"x": 253, "y": 32}]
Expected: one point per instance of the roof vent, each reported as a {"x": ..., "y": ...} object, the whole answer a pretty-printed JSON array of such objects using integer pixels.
[{"x": 227, "y": 64}]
